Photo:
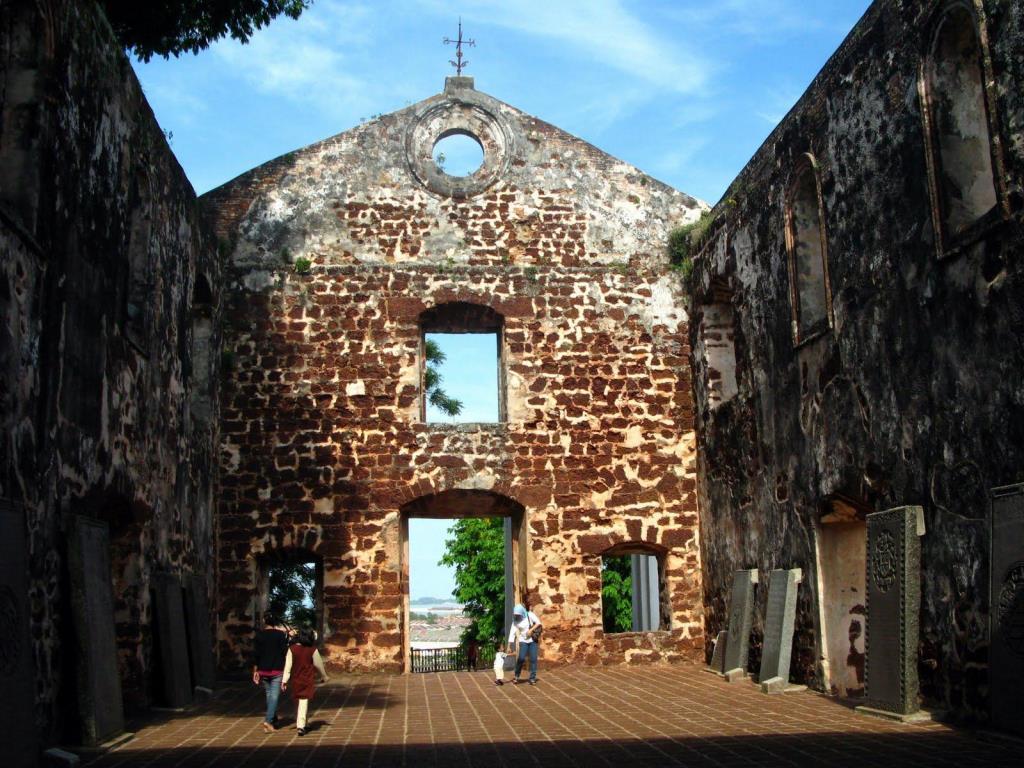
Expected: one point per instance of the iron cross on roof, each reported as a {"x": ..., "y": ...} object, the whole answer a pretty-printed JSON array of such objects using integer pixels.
[{"x": 459, "y": 63}]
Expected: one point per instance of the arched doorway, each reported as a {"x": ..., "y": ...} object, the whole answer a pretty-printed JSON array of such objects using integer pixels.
[{"x": 468, "y": 503}]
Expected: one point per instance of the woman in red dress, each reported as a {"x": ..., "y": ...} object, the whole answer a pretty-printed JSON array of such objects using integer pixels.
[{"x": 300, "y": 667}]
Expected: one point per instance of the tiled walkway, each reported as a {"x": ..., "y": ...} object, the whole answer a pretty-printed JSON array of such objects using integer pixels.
[{"x": 652, "y": 716}]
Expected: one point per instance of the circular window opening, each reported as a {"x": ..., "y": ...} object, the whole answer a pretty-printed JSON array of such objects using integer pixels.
[{"x": 459, "y": 154}]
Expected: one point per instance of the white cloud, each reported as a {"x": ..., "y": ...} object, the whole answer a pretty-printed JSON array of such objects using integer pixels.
[
  {"x": 760, "y": 20},
  {"x": 602, "y": 30},
  {"x": 308, "y": 60},
  {"x": 776, "y": 102},
  {"x": 679, "y": 158}
]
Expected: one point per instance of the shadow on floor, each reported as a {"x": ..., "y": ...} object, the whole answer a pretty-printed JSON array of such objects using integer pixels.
[{"x": 836, "y": 750}]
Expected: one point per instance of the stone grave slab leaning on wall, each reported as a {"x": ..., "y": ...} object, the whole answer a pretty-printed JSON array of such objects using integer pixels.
[
  {"x": 172, "y": 641},
  {"x": 893, "y": 612},
  {"x": 200, "y": 638},
  {"x": 17, "y": 676},
  {"x": 778, "y": 631},
  {"x": 1006, "y": 613},
  {"x": 100, "y": 708},
  {"x": 741, "y": 615}
]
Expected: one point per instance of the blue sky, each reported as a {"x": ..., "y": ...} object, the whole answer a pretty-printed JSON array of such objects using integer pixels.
[{"x": 684, "y": 90}]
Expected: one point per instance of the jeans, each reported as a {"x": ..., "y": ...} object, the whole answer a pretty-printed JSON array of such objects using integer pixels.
[
  {"x": 524, "y": 650},
  {"x": 272, "y": 687}
]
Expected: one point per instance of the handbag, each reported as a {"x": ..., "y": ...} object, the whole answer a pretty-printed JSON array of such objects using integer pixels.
[{"x": 536, "y": 630}]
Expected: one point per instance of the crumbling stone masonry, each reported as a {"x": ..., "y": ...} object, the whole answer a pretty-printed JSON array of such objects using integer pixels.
[
  {"x": 857, "y": 327},
  {"x": 555, "y": 246},
  {"x": 108, "y": 406}
]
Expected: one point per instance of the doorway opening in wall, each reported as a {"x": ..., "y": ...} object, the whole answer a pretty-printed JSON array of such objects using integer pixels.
[
  {"x": 462, "y": 555},
  {"x": 632, "y": 591},
  {"x": 291, "y": 589},
  {"x": 462, "y": 372}
]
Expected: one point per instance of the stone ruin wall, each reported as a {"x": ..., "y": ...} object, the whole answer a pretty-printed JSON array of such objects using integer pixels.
[
  {"x": 93, "y": 423},
  {"x": 915, "y": 395},
  {"x": 323, "y": 438}
]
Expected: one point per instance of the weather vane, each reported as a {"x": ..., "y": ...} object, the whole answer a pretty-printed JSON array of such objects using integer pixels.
[{"x": 459, "y": 63}]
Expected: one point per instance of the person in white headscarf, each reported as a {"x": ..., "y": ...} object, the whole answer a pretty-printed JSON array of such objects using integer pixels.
[{"x": 526, "y": 628}]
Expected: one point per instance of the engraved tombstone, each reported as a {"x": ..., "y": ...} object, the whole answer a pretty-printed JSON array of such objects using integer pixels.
[
  {"x": 893, "y": 608},
  {"x": 100, "y": 709},
  {"x": 16, "y": 669},
  {"x": 172, "y": 642},
  {"x": 741, "y": 614},
  {"x": 1006, "y": 651},
  {"x": 778, "y": 630},
  {"x": 200, "y": 639}
]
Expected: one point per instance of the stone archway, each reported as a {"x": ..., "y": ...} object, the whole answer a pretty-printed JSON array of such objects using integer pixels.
[{"x": 463, "y": 503}]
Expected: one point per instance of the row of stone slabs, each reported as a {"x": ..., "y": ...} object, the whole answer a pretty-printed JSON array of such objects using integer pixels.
[
  {"x": 184, "y": 643},
  {"x": 892, "y": 614}
]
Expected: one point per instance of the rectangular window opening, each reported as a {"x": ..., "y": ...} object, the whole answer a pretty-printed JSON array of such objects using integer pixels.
[
  {"x": 631, "y": 593},
  {"x": 293, "y": 594},
  {"x": 462, "y": 378}
]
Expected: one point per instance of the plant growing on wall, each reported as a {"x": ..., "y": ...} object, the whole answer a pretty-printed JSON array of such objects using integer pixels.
[
  {"x": 476, "y": 549},
  {"x": 436, "y": 396},
  {"x": 685, "y": 241}
]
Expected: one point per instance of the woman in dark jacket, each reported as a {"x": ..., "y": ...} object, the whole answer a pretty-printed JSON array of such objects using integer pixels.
[{"x": 269, "y": 651}]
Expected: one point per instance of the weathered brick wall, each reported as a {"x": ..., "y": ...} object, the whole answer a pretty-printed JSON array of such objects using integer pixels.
[
  {"x": 323, "y": 441},
  {"x": 92, "y": 422},
  {"x": 913, "y": 395}
]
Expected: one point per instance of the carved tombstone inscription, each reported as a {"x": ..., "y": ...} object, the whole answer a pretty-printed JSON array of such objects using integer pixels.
[
  {"x": 172, "y": 641},
  {"x": 778, "y": 630},
  {"x": 741, "y": 614},
  {"x": 100, "y": 709},
  {"x": 200, "y": 639},
  {"x": 1006, "y": 614},
  {"x": 893, "y": 608},
  {"x": 16, "y": 669}
]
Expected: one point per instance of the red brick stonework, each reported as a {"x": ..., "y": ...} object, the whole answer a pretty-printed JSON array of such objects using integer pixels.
[{"x": 324, "y": 445}]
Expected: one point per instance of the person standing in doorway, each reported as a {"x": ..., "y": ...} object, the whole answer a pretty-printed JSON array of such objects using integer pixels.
[
  {"x": 526, "y": 628},
  {"x": 269, "y": 650},
  {"x": 300, "y": 666}
]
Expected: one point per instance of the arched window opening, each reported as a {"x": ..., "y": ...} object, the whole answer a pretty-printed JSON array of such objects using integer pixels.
[
  {"x": 138, "y": 307},
  {"x": 291, "y": 587},
  {"x": 633, "y": 589},
  {"x": 808, "y": 267},
  {"x": 202, "y": 330},
  {"x": 717, "y": 346},
  {"x": 462, "y": 372},
  {"x": 964, "y": 182}
]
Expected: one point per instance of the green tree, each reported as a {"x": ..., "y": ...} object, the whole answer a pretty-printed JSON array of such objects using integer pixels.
[
  {"x": 476, "y": 549},
  {"x": 291, "y": 594},
  {"x": 172, "y": 27},
  {"x": 436, "y": 396},
  {"x": 617, "y": 594}
]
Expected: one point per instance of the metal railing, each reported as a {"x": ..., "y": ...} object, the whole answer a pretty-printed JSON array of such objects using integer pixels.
[{"x": 449, "y": 659}]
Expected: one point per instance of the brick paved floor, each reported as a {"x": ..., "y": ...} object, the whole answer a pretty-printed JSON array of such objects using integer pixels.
[{"x": 652, "y": 716}]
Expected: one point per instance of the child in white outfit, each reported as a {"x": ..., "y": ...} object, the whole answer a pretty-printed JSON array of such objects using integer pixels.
[{"x": 499, "y": 667}]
